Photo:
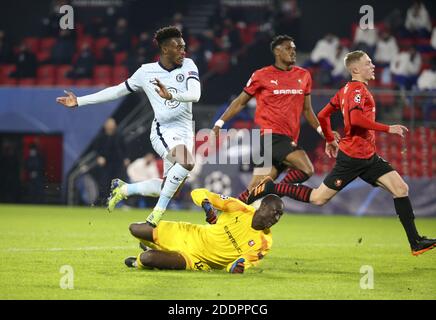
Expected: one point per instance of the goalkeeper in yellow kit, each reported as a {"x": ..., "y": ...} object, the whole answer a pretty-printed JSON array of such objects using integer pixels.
[{"x": 235, "y": 240}]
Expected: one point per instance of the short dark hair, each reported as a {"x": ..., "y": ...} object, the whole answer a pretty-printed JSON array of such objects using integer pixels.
[
  {"x": 272, "y": 199},
  {"x": 278, "y": 40},
  {"x": 165, "y": 33}
]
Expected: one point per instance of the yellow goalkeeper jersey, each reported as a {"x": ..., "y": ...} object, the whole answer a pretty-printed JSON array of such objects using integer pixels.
[{"x": 232, "y": 237}]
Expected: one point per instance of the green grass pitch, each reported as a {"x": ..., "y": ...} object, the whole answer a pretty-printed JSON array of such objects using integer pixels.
[{"x": 312, "y": 257}]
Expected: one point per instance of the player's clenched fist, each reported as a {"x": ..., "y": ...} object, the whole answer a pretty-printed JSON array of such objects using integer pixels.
[
  {"x": 398, "y": 129},
  {"x": 210, "y": 211},
  {"x": 69, "y": 101},
  {"x": 238, "y": 266}
]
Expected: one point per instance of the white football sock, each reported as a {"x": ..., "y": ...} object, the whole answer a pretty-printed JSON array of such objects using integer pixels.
[{"x": 147, "y": 188}]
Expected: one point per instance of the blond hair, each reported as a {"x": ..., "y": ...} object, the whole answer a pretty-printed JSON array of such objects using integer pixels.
[{"x": 353, "y": 56}]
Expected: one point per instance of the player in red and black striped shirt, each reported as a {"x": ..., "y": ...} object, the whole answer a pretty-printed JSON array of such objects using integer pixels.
[
  {"x": 282, "y": 93},
  {"x": 356, "y": 153}
]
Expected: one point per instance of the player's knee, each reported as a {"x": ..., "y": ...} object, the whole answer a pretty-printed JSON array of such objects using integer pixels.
[
  {"x": 134, "y": 229},
  {"x": 188, "y": 166},
  {"x": 401, "y": 189},
  {"x": 318, "y": 202},
  {"x": 146, "y": 258},
  {"x": 309, "y": 171}
]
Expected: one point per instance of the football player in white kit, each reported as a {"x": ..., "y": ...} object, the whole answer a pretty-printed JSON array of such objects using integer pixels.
[{"x": 171, "y": 85}]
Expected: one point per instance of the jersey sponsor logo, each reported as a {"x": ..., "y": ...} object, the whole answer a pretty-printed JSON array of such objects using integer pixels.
[
  {"x": 251, "y": 243},
  {"x": 180, "y": 77},
  {"x": 172, "y": 103},
  {"x": 232, "y": 239},
  {"x": 357, "y": 98},
  {"x": 175, "y": 178},
  {"x": 276, "y": 82},
  {"x": 338, "y": 183},
  {"x": 288, "y": 91}
]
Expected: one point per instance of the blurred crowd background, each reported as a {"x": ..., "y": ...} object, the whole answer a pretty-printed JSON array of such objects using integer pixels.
[{"x": 228, "y": 40}]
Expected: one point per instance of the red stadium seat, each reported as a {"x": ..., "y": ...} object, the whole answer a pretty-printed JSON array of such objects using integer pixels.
[
  {"x": 43, "y": 56},
  {"x": 83, "y": 82},
  {"x": 61, "y": 78},
  {"x": 47, "y": 44},
  {"x": 47, "y": 72},
  {"x": 102, "y": 75},
  {"x": 32, "y": 43},
  {"x": 26, "y": 82},
  {"x": 120, "y": 74},
  {"x": 9, "y": 82},
  {"x": 5, "y": 70},
  {"x": 120, "y": 57},
  {"x": 45, "y": 82},
  {"x": 85, "y": 39},
  {"x": 100, "y": 44}
]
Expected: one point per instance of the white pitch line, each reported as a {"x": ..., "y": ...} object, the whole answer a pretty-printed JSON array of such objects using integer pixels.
[{"x": 66, "y": 249}]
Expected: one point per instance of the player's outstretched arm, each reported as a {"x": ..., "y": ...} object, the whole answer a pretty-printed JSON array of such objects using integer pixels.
[
  {"x": 191, "y": 95},
  {"x": 232, "y": 110},
  {"x": 104, "y": 95},
  {"x": 69, "y": 101}
]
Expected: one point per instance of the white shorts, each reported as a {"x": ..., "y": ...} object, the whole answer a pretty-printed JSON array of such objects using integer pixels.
[{"x": 165, "y": 139}]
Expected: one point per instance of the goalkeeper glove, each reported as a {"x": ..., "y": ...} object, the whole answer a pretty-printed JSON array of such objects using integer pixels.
[
  {"x": 238, "y": 266},
  {"x": 211, "y": 216}
]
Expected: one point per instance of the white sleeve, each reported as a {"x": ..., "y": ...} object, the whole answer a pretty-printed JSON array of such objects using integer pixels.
[
  {"x": 193, "y": 87},
  {"x": 134, "y": 83},
  {"x": 192, "y": 94},
  {"x": 104, "y": 95}
]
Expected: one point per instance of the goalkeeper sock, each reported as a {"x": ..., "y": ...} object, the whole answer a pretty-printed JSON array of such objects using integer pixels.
[
  {"x": 147, "y": 188},
  {"x": 298, "y": 192},
  {"x": 404, "y": 209},
  {"x": 295, "y": 176}
]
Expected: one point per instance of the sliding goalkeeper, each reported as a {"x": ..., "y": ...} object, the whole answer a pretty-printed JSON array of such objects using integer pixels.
[{"x": 235, "y": 239}]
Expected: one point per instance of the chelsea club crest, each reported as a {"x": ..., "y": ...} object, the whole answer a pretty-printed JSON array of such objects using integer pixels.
[{"x": 180, "y": 77}]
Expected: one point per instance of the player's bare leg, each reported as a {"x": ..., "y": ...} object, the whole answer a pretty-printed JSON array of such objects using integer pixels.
[
  {"x": 142, "y": 231},
  {"x": 300, "y": 167},
  {"x": 161, "y": 260},
  {"x": 183, "y": 164},
  {"x": 153, "y": 258},
  {"x": 395, "y": 184},
  {"x": 321, "y": 195},
  {"x": 257, "y": 177}
]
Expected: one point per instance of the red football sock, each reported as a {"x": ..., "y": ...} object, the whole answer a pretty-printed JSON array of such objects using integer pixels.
[
  {"x": 244, "y": 196},
  {"x": 297, "y": 192},
  {"x": 295, "y": 176}
]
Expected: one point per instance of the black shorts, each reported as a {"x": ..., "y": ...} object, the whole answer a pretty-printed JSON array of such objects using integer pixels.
[
  {"x": 347, "y": 169},
  {"x": 281, "y": 146}
]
